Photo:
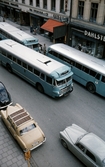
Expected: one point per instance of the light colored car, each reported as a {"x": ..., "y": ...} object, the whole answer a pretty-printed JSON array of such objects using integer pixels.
[
  {"x": 23, "y": 127},
  {"x": 87, "y": 147}
]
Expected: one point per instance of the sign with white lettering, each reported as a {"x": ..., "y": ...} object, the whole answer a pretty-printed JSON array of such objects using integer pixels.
[{"x": 94, "y": 35}]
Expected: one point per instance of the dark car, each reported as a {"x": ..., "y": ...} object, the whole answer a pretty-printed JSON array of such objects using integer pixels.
[{"x": 5, "y": 98}]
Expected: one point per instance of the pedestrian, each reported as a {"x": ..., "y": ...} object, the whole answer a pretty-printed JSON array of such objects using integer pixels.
[
  {"x": 44, "y": 49},
  {"x": 39, "y": 48}
]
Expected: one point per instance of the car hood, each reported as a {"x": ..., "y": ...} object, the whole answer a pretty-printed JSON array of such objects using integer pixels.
[
  {"x": 33, "y": 138},
  {"x": 74, "y": 133}
]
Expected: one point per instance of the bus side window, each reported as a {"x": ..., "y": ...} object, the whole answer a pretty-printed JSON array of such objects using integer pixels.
[
  {"x": 25, "y": 65},
  {"x": 36, "y": 72},
  {"x": 19, "y": 62},
  {"x": 85, "y": 69},
  {"x": 72, "y": 62},
  {"x": 42, "y": 76},
  {"x": 79, "y": 66},
  {"x": 55, "y": 54},
  {"x": 9, "y": 56},
  {"x": 103, "y": 79},
  {"x": 14, "y": 59},
  {"x": 4, "y": 53},
  {"x": 30, "y": 68},
  {"x": 98, "y": 76},
  {"x": 93, "y": 73},
  {"x": 49, "y": 80}
]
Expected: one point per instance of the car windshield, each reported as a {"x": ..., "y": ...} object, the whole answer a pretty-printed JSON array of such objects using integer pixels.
[
  {"x": 79, "y": 138},
  {"x": 27, "y": 129},
  {"x": 3, "y": 94}
]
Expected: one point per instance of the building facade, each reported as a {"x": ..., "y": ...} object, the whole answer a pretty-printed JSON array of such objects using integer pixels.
[
  {"x": 37, "y": 12},
  {"x": 87, "y": 27}
]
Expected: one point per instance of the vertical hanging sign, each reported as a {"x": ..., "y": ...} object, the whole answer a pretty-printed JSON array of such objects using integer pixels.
[{"x": 66, "y": 4}]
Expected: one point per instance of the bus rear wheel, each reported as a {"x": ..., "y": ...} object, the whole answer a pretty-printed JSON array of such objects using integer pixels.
[
  {"x": 40, "y": 88},
  {"x": 8, "y": 67},
  {"x": 91, "y": 87}
]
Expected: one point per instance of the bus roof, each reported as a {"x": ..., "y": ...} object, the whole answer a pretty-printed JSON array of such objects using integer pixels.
[
  {"x": 17, "y": 33},
  {"x": 36, "y": 59},
  {"x": 80, "y": 57}
]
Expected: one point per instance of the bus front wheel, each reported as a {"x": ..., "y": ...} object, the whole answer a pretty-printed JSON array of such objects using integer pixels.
[
  {"x": 91, "y": 87},
  {"x": 9, "y": 68},
  {"x": 40, "y": 88}
]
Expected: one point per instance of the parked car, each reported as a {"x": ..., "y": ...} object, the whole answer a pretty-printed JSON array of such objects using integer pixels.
[
  {"x": 5, "y": 98},
  {"x": 23, "y": 127},
  {"x": 87, "y": 147}
]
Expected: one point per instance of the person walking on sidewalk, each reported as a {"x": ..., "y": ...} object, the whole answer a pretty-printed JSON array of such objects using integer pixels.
[{"x": 44, "y": 49}]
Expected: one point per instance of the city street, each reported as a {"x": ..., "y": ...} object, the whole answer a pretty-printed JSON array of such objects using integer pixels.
[{"x": 52, "y": 115}]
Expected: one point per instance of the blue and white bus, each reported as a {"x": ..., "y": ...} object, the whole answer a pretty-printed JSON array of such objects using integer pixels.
[
  {"x": 47, "y": 75},
  {"x": 88, "y": 71},
  {"x": 11, "y": 32}
]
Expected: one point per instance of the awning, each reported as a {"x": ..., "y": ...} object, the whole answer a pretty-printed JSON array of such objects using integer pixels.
[{"x": 50, "y": 24}]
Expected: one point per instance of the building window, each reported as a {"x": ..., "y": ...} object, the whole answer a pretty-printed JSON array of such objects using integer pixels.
[
  {"x": 80, "y": 9},
  {"x": 45, "y": 4},
  {"x": 93, "y": 14},
  {"x": 37, "y": 3},
  {"x": 62, "y": 6},
  {"x": 53, "y": 5},
  {"x": 23, "y": 1},
  {"x": 31, "y": 2}
]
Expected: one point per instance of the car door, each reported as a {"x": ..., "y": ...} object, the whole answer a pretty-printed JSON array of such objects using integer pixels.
[{"x": 85, "y": 157}]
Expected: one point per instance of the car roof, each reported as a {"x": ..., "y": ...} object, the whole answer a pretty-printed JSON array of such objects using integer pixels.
[{"x": 94, "y": 144}]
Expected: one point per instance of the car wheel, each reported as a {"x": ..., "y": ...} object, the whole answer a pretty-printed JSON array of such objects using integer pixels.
[
  {"x": 40, "y": 88},
  {"x": 91, "y": 87},
  {"x": 64, "y": 144}
]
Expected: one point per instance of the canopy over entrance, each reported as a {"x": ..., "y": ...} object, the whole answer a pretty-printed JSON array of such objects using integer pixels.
[{"x": 51, "y": 24}]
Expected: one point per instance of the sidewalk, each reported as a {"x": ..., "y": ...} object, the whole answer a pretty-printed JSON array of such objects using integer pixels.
[{"x": 11, "y": 154}]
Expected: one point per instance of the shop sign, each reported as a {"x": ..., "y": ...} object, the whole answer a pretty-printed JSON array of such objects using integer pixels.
[{"x": 94, "y": 35}]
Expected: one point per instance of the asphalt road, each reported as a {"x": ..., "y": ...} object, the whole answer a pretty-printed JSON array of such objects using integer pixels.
[{"x": 80, "y": 107}]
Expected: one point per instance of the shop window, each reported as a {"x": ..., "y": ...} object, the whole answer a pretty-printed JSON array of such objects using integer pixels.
[
  {"x": 37, "y": 3},
  {"x": 45, "y": 4},
  {"x": 93, "y": 14},
  {"x": 53, "y": 5},
  {"x": 23, "y": 1},
  {"x": 62, "y": 6},
  {"x": 80, "y": 9},
  {"x": 31, "y": 2}
]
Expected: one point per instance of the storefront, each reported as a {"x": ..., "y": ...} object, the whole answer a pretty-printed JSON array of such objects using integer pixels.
[{"x": 90, "y": 41}]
